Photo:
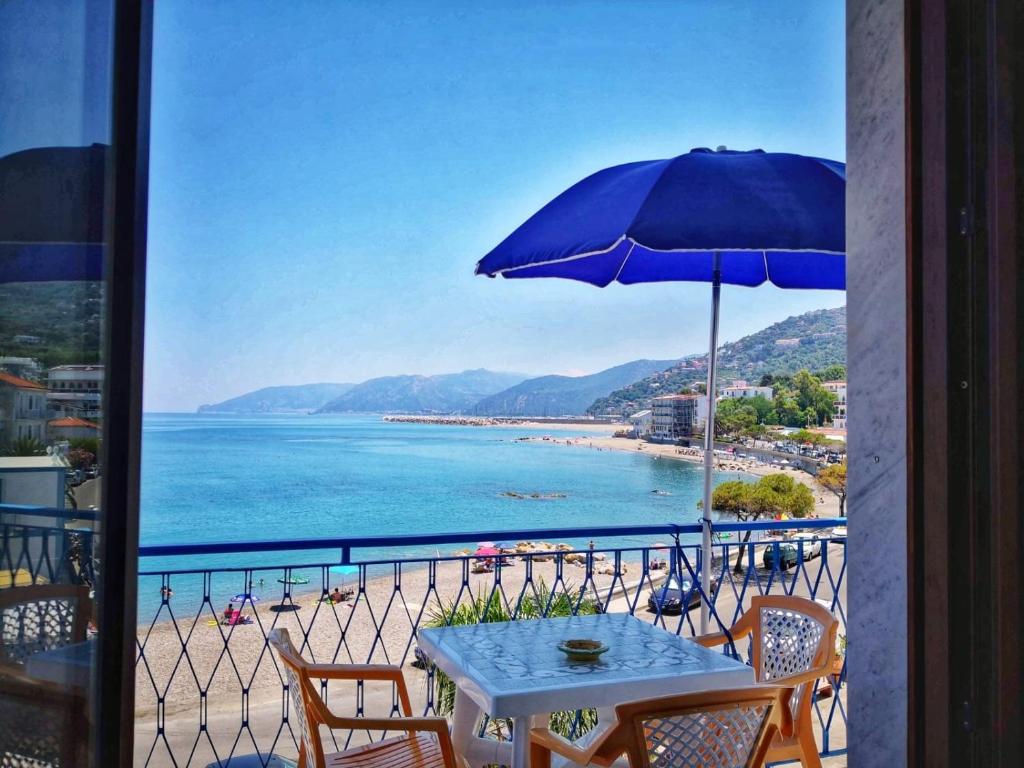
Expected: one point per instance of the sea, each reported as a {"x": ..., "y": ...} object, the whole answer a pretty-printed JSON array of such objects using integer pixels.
[{"x": 235, "y": 478}]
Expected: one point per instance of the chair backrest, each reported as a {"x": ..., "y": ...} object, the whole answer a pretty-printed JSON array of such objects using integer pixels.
[
  {"x": 311, "y": 752},
  {"x": 793, "y": 636},
  {"x": 709, "y": 729},
  {"x": 40, "y": 617}
]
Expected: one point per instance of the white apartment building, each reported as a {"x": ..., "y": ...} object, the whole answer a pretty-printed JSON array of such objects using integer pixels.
[
  {"x": 741, "y": 388},
  {"x": 22, "y": 409},
  {"x": 642, "y": 423},
  {"x": 838, "y": 388},
  {"x": 76, "y": 390}
]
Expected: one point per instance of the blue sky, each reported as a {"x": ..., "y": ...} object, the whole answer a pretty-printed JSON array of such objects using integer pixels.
[{"x": 326, "y": 174}]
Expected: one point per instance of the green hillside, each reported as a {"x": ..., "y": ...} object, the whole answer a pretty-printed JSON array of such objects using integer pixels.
[
  {"x": 814, "y": 340},
  {"x": 64, "y": 316}
]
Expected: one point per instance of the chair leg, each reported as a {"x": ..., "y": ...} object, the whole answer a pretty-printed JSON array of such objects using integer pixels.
[
  {"x": 809, "y": 757},
  {"x": 540, "y": 756}
]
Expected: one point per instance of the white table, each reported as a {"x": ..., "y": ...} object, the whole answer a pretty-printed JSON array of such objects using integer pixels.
[
  {"x": 69, "y": 665},
  {"x": 514, "y": 670}
]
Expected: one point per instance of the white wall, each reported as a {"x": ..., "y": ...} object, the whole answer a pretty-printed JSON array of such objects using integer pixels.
[
  {"x": 876, "y": 384},
  {"x": 42, "y": 487}
]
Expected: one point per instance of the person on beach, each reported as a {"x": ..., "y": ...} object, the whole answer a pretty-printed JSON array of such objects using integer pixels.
[
  {"x": 337, "y": 596},
  {"x": 229, "y": 612}
]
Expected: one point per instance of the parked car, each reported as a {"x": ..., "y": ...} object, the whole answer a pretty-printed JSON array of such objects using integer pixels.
[
  {"x": 669, "y": 597},
  {"x": 788, "y": 556},
  {"x": 812, "y": 544}
]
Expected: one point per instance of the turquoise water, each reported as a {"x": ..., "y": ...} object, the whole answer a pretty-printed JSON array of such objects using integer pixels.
[
  {"x": 229, "y": 478},
  {"x": 213, "y": 478}
]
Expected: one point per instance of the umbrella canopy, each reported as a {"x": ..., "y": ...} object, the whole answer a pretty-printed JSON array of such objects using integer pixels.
[
  {"x": 51, "y": 214},
  {"x": 241, "y": 597},
  {"x": 771, "y": 217},
  {"x": 486, "y": 552},
  {"x": 723, "y": 217},
  {"x": 344, "y": 570}
]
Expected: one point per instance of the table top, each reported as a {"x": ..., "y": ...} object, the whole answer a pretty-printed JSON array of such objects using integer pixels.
[
  {"x": 68, "y": 665},
  {"x": 514, "y": 668}
]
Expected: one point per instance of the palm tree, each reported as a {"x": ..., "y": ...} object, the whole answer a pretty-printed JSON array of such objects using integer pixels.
[{"x": 25, "y": 446}]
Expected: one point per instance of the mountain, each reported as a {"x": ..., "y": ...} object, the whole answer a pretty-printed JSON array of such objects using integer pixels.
[
  {"x": 444, "y": 393},
  {"x": 564, "y": 395},
  {"x": 301, "y": 398},
  {"x": 814, "y": 340}
]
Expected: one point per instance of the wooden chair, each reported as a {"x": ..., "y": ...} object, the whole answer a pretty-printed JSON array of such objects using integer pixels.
[
  {"x": 41, "y": 723},
  {"x": 426, "y": 743},
  {"x": 708, "y": 729},
  {"x": 794, "y": 643}
]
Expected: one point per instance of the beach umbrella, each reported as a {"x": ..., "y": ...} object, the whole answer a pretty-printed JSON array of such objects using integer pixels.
[
  {"x": 51, "y": 214},
  {"x": 242, "y": 597},
  {"x": 486, "y": 552},
  {"x": 715, "y": 216}
]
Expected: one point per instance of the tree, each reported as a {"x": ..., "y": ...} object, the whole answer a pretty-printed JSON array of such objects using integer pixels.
[
  {"x": 772, "y": 495},
  {"x": 733, "y": 416},
  {"x": 764, "y": 408},
  {"x": 833, "y": 478},
  {"x": 788, "y": 411},
  {"x": 90, "y": 444},
  {"x": 833, "y": 373},
  {"x": 814, "y": 400},
  {"x": 25, "y": 446}
]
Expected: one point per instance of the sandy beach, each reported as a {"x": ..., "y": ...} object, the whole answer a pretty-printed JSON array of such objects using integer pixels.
[{"x": 375, "y": 626}]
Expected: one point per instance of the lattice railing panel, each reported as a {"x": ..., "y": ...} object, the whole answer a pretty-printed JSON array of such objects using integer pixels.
[{"x": 206, "y": 688}]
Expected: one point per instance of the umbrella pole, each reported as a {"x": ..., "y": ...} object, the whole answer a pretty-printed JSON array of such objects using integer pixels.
[{"x": 709, "y": 446}]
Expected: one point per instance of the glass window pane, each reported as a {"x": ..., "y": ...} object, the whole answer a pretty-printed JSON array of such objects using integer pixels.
[{"x": 55, "y": 137}]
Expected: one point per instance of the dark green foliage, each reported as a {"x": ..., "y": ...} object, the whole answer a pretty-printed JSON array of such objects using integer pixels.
[
  {"x": 25, "y": 446},
  {"x": 65, "y": 316}
]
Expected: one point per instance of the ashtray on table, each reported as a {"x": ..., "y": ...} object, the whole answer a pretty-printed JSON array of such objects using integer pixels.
[{"x": 582, "y": 650}]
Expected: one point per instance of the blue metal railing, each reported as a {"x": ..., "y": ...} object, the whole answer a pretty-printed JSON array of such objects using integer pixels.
[{"x": 209, "y": 690}]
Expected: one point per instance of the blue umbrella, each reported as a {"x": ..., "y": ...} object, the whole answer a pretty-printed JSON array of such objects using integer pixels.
[
  {"x": 51, "y": 214},
  {"x": 741, "y": 218}
]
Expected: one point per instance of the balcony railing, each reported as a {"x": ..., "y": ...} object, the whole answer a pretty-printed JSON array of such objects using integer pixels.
[{"x": 207, "y": 691}]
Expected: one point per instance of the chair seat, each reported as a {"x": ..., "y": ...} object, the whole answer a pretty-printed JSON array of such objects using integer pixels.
[{"x": 415, "y": 751}]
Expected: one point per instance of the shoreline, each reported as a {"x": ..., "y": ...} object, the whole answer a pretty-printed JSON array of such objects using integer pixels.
[
  {"x": 566, "y": 425},
  {"x": 826, "y": 502}
]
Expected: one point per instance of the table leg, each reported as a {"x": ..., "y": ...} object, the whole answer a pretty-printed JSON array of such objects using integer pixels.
[
  {"x": 521, "y": 739},
  {"x": 476, "y": 751}
]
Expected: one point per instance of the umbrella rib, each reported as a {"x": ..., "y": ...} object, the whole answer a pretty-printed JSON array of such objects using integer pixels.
[{"x": 622, "y": 266}]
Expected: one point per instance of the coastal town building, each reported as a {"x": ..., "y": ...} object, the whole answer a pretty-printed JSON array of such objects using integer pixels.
[
  {"x": 740, "y": 389},
  {"x": 22, "y": 409},
  {"x": 642, "y": 423},
  {"x": 76, "y": 390},
  {"x": 838, "y": 388},
  {"x": 677, "y": 416},
  {"x": 71, "y": 427}
]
